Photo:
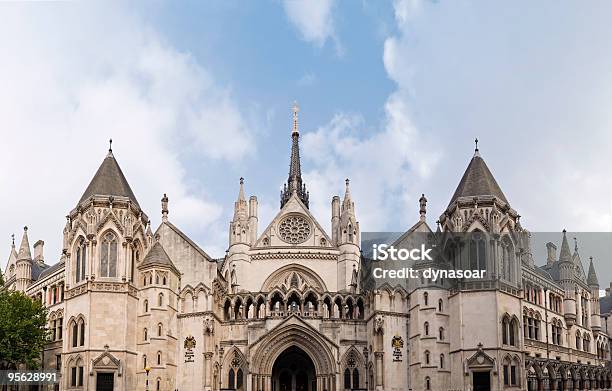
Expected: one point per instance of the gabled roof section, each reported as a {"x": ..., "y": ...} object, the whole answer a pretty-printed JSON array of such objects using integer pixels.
[
  {"x": 186, "y": 238},
  {"x": 157, "y": 256},
  {"x": 293, "y": 205},
  {"x": 477, "y": 180},
  {"x": 109, "y": 181}
]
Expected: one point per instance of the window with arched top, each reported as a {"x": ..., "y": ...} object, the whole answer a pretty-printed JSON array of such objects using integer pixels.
[
  {"x": 81, "y": 332},
  {"x": 441, "y": 361},
  {"x": 427, "y": 383},
  {"x": 75, "y": 334},
  {"x": 108, "y": 255},
  {"x": 427, "y": 360},
  {"x": 426, "y": 298},
  {"x": 146, "y": 306},
  {"x": 159, "y": 358},
  {"x": 160, "y": 299},
  {"x": 164, "y": 280},
  {"x": 347, "y": 379},
  {"x": 145, "y": 334},
  {"x": 159, "y": 329},
  {"x": 478, "y": 254},
  {"x": 81, "y": 259},
  {"x": 158, "y": 386},
  {"x": 144, "y": 361},
  {"x": 426, "y": 328},
  {"x": 441, "y": 333},
  {"x": 440, "y": 305}
]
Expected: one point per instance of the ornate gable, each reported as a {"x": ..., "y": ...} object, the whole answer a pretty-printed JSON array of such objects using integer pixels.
[
  {"x": 480, "y": 359},
  {"x": 293, "y": 226}
]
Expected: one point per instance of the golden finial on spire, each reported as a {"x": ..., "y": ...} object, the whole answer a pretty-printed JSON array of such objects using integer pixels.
[{"x": 296, "y": 109}]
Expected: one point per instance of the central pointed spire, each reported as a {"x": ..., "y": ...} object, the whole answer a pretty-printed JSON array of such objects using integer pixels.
[{"x": 294, "y": 182}]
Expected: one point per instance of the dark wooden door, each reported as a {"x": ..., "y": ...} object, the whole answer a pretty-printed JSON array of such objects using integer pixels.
[{"x": 105, "y": 381}]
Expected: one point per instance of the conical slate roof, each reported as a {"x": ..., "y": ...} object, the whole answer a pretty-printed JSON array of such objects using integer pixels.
[
  {"x": 157, "y": 256},
  {"x": 109, "y": 181},
  {"x": 24, "y": 249},
  {"x": 592, "y": 276},
  {"x": 477, "y": 181},
  {"x": 565, "y": 255}
]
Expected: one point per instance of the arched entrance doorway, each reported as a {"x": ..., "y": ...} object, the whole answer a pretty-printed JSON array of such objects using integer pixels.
[
  {"x": 293, "y": 343},
  {"x": 293, "y": 370}
]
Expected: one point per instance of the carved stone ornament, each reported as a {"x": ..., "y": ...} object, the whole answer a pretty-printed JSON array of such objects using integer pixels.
[{"x": 294, "y": 229}]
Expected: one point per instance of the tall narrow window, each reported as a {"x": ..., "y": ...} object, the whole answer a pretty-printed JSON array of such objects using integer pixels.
[
  {"x": 81, "y": 259},
  {"x": 347, "y": 379},
  {"x": 231, "y": 377},
  {"x": 426, "y": 328},
  {"x": 426, "y": 298},
  {"x": 73, "y": 376},
  {"x": 108, "y": 256},
  {"x": 158, "y": 358},
  {"x": 160, "y": 299},
  {"x": 355, "y": 378},
  {"x": 427, "y": 383},
  {"x": 82, "y": 333},
  {"x": 145, "y": 334},
  {"x": 146, "y": 306},
  {"x": 75, "y": 334},
  {"x": 441, "y": 361},
  {"x": 80, "y": 375},
  {"x": 144, "y": 361},
  {"x": 239, "y": 379},
  {"x": 159, "y": 329},
  {"x": 60, "y": 328},
  {"x": 440, "y": 305}
]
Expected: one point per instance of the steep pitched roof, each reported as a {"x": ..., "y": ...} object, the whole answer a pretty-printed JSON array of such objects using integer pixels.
[
  {"x": 24, "y": 248},
  {"x": 592, "y": 276},
  {"x": 565, "y": 255},
  {"x": 477, "y": 180},
  {"x": 109, "y": 181},
  {"x": 157, "y": 256}
]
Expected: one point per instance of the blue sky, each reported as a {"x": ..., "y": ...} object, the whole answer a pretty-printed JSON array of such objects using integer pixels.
[{"x": 392, "y": 95}]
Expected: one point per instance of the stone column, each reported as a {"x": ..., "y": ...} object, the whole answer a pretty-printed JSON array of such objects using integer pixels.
[
  {"x": 379, "y": 370},
  {"x": 207, "y": 370}
]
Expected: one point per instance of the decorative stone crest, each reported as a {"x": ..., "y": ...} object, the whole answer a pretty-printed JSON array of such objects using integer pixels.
[
  {"x": 190, "y": 342},
  {"x": 379, "y": 323},
  {"x": 209, "y": 325}
]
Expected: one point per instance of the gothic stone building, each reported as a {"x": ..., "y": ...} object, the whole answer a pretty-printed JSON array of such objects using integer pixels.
[{"x": 287, "y": 308}]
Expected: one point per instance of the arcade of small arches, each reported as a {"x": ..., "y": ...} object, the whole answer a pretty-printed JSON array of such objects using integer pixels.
[
  {"x": 308, "y": 304},
  {"x": 543, "y": 376}
]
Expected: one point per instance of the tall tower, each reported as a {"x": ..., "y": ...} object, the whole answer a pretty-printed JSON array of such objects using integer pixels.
[
  {"x": 594, "y": 287},
  {"x": 23, "y": 275},
  {"x": 566, "y": 276},
  {"x": 348, "y": 242},
  {"x": 104, "y": 241},
  {"x": 294, "y": 182}
]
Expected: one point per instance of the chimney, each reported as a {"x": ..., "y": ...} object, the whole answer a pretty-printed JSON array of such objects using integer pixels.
[
  {"x": 552, "y": 253},
  {"x": 38, "y": 251}
]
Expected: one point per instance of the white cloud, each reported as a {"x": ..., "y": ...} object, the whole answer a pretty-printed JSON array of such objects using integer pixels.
[
  {"x": 313, "y": 19},
  {"x": 70, "y": 82},
  {"x": 383, "y": 166}
]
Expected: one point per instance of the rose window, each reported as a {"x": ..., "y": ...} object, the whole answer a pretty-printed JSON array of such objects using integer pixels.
[{"x": 294, "y": 229}]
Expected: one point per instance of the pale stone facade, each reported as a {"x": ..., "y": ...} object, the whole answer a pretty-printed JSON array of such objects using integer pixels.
[{"x": 287, "y": 308}]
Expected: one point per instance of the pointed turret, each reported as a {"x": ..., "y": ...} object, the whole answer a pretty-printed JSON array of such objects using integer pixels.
[
  {"x": 565, "y": 255},
  {"x": 477, "y": 181},
  {"x": 245, "y": 214},
  {"x": 592, "y": 276},
  {"x": 13, "y": 254},
  {"x": 109, "y": 181},
  {"x": 24, "y": 248},
  {"x": 12, "y": 260},
  {"x": 349, "y": 227},
  {"x": 294, "y": 182},
  {"x": 240, "y": 206}
]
